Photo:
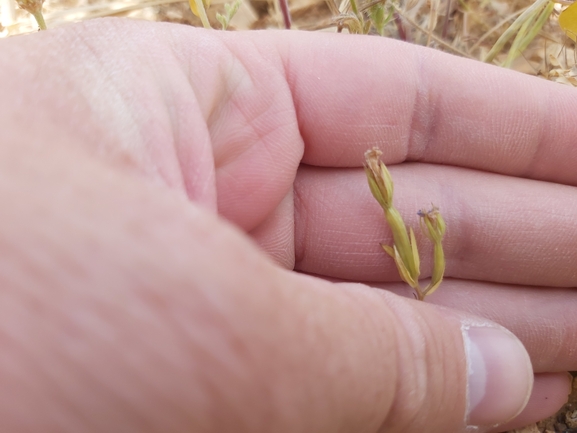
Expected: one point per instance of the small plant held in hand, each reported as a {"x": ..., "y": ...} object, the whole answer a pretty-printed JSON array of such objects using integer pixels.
[
  {"x": 34, "y": 7},
  {"x": 404, "y": 250}
]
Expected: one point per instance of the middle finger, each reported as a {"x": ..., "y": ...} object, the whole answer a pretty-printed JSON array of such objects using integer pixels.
[{"x": 499, "y": 228}]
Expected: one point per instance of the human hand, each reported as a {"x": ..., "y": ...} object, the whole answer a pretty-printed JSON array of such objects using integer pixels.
[{"x": 127, "y": 305}]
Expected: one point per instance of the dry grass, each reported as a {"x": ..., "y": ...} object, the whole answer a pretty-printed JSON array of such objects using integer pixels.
[
  {"x": 468, "y": 28},
  {"x": 464, "y": 27}
]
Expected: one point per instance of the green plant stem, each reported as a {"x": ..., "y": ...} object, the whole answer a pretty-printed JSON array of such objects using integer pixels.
[
  {"x": 494, "y": 29},
  {"x": 433, "y": 37},
  {"x": 438, "y": 270},
  {"x": 202, "y": 14},
  {"x": 527, "y": 33},
  {"x": 400, "y": 237},
  {"x": 354, "y": 7},
  {"x": 530, "y": 12},
  {"x": 40, "y": 20},
  {"x": 538, "y": 25},
  {"x": 516, "y": 45}
]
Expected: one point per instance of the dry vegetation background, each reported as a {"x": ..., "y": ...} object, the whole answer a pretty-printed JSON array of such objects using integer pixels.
[{"x": 467, "y": 28}]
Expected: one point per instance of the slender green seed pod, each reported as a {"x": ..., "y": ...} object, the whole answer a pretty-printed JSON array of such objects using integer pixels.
[
  {"x": 438, "y": 269},
  {"x": 434, "y": 224},
  {"x": 401, "y": 239}
]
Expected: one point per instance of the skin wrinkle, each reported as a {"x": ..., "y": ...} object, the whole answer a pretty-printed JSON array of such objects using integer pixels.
[
  {"x": 216, "y": 387},
  {"x": 28, "y": 363},
  {"x": 402, "y": 408},
  {"x": 466, "y": 224},
  {"x": 263, "y": 135},
  {"x": 515, "y": 126},
  {"x": 276, "y": 234},
  {"x": 166, "y": 169},
  {"x": 356, "y": 296},
  {"x": 346, "y": 129},
  {"x": 115, "y": 96},
  {"x": 234, "y": 80},
  {"x": 53, "y": 375},
  {"x": 87, "y": 372},
  {"x": 464, "y": 217},
  {"x": 415, "y": 330},
  {"x": 199, "y": 186},
  {"x": 376, "y": 330},
  {"x": 538, "y": 143},
  {"x": 157, "y": 134},
  {"x": 300, "y": 235},
  {"x": 174, "y": 119},
  {"x": 480, "y": 299},
  {"x": 285, "y": 64},
  {"x": 212, "y": 111},
  {"x": 455, "y": 157},
  {"x": 236, "y": 344},
  {"x": 157, "y": 137},
  {"x": 60, "y": 107}
]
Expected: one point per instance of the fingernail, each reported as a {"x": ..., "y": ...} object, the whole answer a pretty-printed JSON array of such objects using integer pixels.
[{"x": 500, "y": 375}]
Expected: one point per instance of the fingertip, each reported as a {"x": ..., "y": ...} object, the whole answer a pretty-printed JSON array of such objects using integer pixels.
[
  {"x": 500, "y": 375},
  {"x": 550, "y": 392}
]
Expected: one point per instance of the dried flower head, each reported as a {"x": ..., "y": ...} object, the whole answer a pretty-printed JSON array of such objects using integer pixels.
[
  {"x": 432, "y": 224},
  {"x": 434, "y": 227},
  {"x": 404, "y": 250},
  {"x": 34, "y": 7},
  {"x": 31, "y": 6}
]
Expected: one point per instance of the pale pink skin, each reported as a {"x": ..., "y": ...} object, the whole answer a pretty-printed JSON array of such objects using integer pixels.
[{"x": 127, "y": 305}]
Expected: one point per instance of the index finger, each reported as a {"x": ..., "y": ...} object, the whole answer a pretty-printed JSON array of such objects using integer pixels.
[{"x": 417, "y": 104}]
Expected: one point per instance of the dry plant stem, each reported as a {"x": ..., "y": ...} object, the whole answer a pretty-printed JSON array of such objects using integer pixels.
[
  {"x": 354, "y": 7},
  {"x": 400, "y": 28},
  {"x": 118, "y": 12},
  {"x": 446, "y": 22},
  {"x": 433, "y": 37},
  {"x": 333, "y": 7},
  {"x": 495, "y": 28},
  {"x": 530, "y": 12},
  {"x": 433, "y": 17},
  {"x": 286, "y": 15}
]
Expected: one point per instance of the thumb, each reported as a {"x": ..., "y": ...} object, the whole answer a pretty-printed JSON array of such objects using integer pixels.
[
  {"x": 376, "y": 362},
  {"x": 440, "y": 370},
  {"x": 308, "y": 355}
]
